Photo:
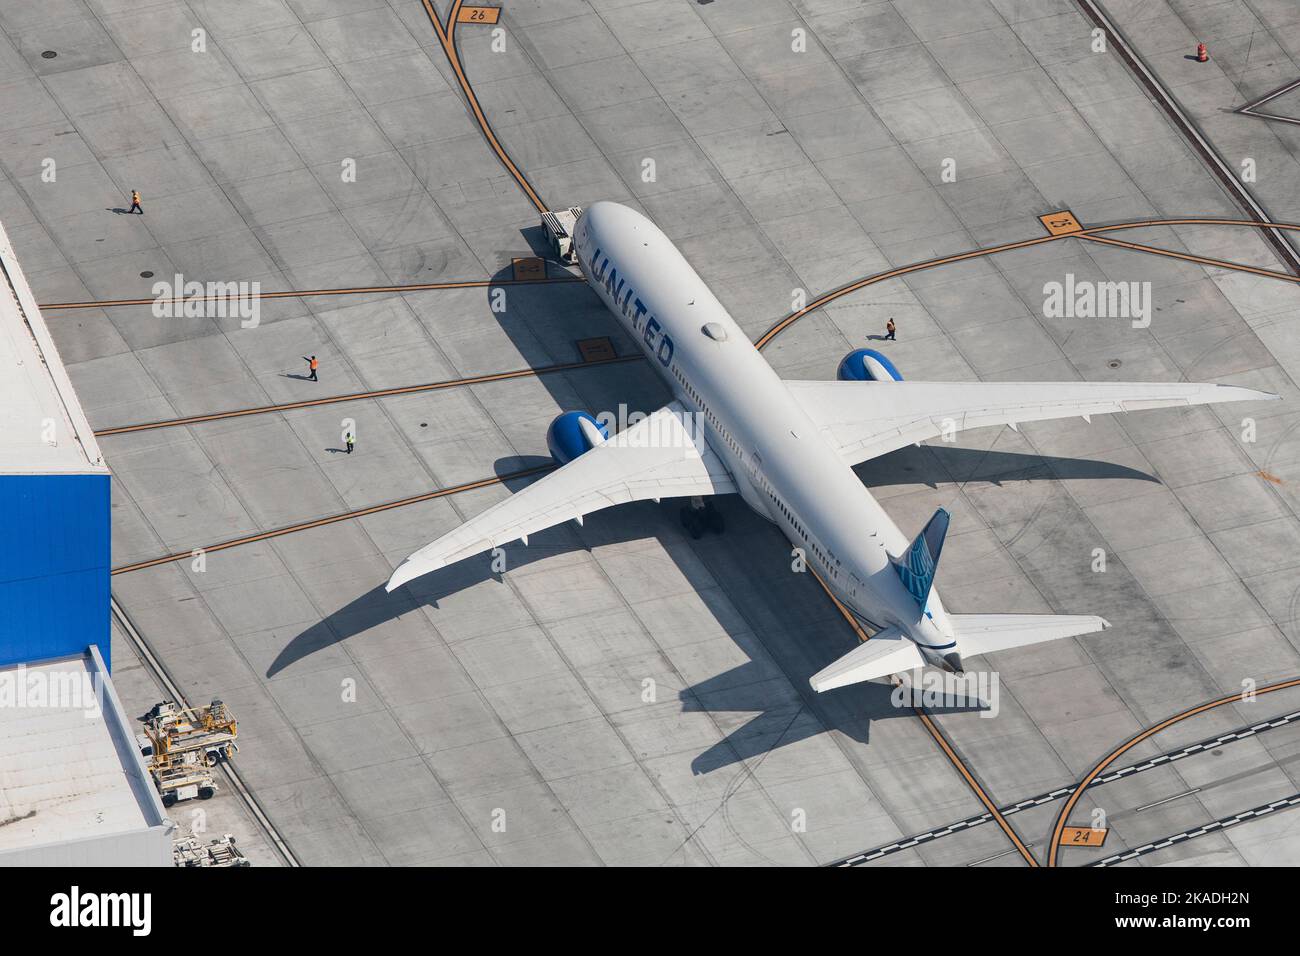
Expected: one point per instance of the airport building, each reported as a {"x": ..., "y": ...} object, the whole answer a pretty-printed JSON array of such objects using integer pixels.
[
  {"x": 54, "y": 493},
  {"x": 73, "y": 789}
]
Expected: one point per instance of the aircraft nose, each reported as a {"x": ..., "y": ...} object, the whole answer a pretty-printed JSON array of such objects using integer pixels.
[{"x": 952, "y": 660}]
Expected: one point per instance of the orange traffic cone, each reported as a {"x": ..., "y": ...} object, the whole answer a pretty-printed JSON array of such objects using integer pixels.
[{"x": 1202, "y": 54}]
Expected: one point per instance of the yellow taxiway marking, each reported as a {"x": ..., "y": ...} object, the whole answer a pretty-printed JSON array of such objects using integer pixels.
[
  {"x": 378, "y": 393},
  {"x": 1189, "y": 257},
  {"x": 447, "y": 37}
]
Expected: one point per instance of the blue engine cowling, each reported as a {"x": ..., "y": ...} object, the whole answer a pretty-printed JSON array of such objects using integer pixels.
[
  {"x": 566, "y": 438},
  {"x": 867, "y": 365}
]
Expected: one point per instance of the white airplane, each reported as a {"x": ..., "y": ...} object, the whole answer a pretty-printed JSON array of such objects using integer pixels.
[{"x": 787, "y": 448}]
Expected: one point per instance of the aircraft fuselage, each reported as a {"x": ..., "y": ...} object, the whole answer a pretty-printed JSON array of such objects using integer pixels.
[{"x": 785, "y": 468}]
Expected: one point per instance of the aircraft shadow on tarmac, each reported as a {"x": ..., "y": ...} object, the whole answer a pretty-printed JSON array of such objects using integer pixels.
[
  {"x": 760, "y": 687},
  {"x": 543, "y": 323}
]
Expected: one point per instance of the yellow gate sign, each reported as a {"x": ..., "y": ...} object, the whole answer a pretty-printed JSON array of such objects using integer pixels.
[
  {"x": 478, "y": 15},
  {"x": 1083, "y": 836}
]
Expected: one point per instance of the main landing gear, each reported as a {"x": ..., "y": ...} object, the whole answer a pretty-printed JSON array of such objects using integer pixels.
[{"x": 701, "y": 516}]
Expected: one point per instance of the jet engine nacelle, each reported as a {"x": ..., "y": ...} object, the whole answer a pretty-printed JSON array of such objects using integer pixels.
[
  {"x": 867, "y": 365},
  {"x": 573, "y": 433}
]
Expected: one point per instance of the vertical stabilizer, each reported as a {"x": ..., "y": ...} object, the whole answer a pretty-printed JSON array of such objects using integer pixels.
[{"x": 917, "y": 565}]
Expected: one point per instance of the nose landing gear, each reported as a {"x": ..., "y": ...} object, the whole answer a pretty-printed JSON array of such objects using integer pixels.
[{"x": 700, "y": 516}]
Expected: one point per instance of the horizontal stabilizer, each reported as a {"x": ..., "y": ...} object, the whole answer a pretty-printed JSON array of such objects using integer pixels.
[
  {"x": 889, "y": 652},
  {"x": 987, "y": 633}
]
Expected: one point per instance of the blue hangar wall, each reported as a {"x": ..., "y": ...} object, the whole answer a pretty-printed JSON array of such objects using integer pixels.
[{"x": 54, "y": 566}]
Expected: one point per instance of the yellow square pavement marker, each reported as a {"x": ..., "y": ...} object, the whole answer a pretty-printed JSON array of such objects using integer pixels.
[
  {"x": 1061, "y": 223},
  {"x": 596, "y": 350},
  {"x": 529, "y": 268}
]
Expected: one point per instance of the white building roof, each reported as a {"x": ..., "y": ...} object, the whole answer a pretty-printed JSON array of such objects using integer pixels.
[
  {"x": 68, "y": 772},
  {"x": 42, "y": 427}
]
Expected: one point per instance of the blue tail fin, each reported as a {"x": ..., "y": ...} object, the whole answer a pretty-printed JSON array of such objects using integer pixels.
[{"x": 918, "y": 565}]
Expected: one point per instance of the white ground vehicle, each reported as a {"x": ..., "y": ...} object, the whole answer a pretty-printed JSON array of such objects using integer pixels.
[
  {"x": 215, "y": 853},
  {"x": 183, "y": 778},
  {"x": 559, "y": 226}
]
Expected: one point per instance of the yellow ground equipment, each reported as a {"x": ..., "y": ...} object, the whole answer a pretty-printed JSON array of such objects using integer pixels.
[{"x": 171, "y": 731}]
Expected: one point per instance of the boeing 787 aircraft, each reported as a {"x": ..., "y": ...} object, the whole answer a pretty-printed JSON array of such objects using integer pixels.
[{"x": 788, "y": 448}]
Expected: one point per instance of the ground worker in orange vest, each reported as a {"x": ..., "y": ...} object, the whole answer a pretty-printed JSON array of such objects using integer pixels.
[
  {"x": 135, "y": 202},
  {"x": 890, "y": 329},
  {"x": 312, "y": 365},
  {"x": 1202, "y": 54}
]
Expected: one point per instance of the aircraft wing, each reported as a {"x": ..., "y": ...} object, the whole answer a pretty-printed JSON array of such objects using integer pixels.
[
  {"x": 656, "y": 458},
  {"x": 865, "y": 420}
]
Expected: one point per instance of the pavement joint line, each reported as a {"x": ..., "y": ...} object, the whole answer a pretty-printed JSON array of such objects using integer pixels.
[
  {"x": 1214, "y": 826},
  {"x": 1161, "y": 803},
  {"x": 1031, "y": 802},
  {"x": 995, "y": 856}
]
